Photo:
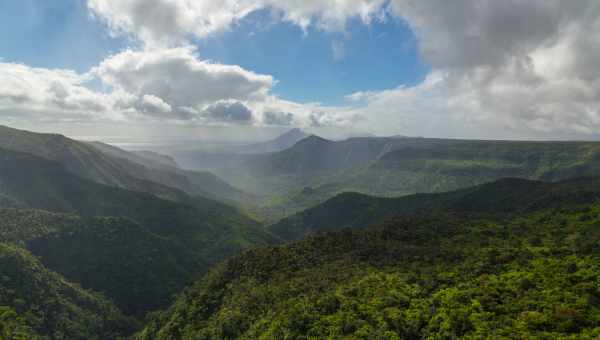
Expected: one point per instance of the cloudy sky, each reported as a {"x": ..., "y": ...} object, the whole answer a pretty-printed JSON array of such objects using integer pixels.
[{"x": 435, "y": 68}]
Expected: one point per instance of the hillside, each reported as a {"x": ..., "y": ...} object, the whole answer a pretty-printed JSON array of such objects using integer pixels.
[
  {"x": 109, "y": 165},
  {"x": 391, "y": 167},
  {"x": 445, "y": 276},
  {"x": 282, "y": 142},
  {"x": 164, "y": 170},
  {"x": 36, "y": 303},
  {"x": 137, "y": 269},
  {"x": 171, "y": 243},
  {"x": 506, "y": 196}
]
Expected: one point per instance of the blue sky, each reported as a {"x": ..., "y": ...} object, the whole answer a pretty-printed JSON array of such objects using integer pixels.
[
  {"x": 54, "y": 34},
  {"x": 378, "y": 56},
  {"x": 435, "y": 68},
  {"x": 382, "y": 55}
]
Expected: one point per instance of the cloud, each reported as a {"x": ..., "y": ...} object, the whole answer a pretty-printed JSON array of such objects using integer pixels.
[
  {"x": 153, "y": 105},
  {"x": 500, "y": 69},
  {"x": 53, "y": 94},
  {"x": 172, "y": 22},
  {"x": 278, "y": 118},
  {"x": 229, "y": 112},
  {"x": 157, "y": 84},
  {"x": 179, "y": 78}
]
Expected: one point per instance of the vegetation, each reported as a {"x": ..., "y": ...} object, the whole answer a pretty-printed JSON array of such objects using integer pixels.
[
  {"x": 449, "y": 276},
  {"x": 37, "y": 303},
  {"x": 111, "y": 166},
  {"x": 140, "y": 270},
  {"x": 140, "y": 265},
  {"x": 507, "y": 196},
  {"x": 392, "y": 167},
  {"x": 516, "y": 258}
]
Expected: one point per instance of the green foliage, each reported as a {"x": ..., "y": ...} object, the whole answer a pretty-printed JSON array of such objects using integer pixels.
[
  {"x": 38, "y": 303},
  {"x": 534, "y": 274},
  {"x": 13, "y": 327},
  {"x": 140, "y": 270},
  {"x": 171, "y": 243},
  {"x": 506, "y": 196},
  {"x": 392, "y": 167}
]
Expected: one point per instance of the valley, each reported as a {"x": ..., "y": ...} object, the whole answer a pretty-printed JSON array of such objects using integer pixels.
[{"x": 464, "y": 237}]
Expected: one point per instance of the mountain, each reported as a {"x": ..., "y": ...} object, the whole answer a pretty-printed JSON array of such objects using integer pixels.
[
  {"x": 506, "y": 196},
  {"x": 391, "y": 167},
  {"x": 157, "y": 158},
  {"x": 109, "y": 165},
  {"x": 170, "y": 243},
  {"x": 159, "y": 169},
  {"x": 36, "y": 303},
  {"x": 443, "y": 276},
  {"x": 137, "y": 269},
  {"x": 285, "y": 141}
]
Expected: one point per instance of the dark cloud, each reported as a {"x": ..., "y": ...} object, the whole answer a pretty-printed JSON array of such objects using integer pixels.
[
  {"x": 231, "y": 112},
  {"x": 278, "y": 118}
]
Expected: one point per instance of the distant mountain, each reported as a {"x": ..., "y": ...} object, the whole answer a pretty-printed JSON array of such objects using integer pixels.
[
  {"x": 392, "y": 167},
  {"x": 158, "y": 168},
  {"x": 181, "y": 238},
  {"x": 314, "y": 155},
  {"x": 442, "y": 276},
  {"x": 285, "y": 141},
  {"x": 36, "y": 303},
  {"x": 109, "y": 165},
  {"x": 146, "y": 158},
  {"x": 158, "y": 158},
  {"x": 506, "y": 196}
]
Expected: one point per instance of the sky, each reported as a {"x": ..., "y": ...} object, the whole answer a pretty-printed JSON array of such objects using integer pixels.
[{"x": 514, "y": 69}]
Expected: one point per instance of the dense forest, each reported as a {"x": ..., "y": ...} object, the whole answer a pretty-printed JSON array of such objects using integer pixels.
[
  {"x": 150, "y": 251},
  {"x": 534, "y": 275}
]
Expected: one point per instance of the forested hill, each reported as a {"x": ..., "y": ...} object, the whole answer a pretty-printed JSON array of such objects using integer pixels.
[
  {"x": 108, "y": 165},
  {"x": 506, "y": 196},
  {"x": 532, "y": 275},
  {"x": 170, "y": 243},
  {"x": 36, "y": 303}
]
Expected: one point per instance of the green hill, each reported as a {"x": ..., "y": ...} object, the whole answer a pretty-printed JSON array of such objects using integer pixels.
[
  {"x": 137, "y": 269},
  {"x": 111, "y": 166},
  {"x": 506, "y": 196},
  {"x": 392, "y": 167},
  {"x": 36, "y": 303},
  {"x": 447, "y": 276},
  {"x": 170, "y": 244}
]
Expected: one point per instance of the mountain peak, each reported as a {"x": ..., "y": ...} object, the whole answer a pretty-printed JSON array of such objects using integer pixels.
[{"x": 294, "y": 135}]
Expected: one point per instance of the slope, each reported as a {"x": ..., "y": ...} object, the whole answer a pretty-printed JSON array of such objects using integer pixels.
[
  {"x": 138, "y": 270},
  {"x": 315, "y": 169},
  {"x": 150, "y": 167},
  {"x": 506, "y": 196},
  {"x": 36, "y": 303},
  {"x": 179, "y": 240},
  {"x": 528, "y": 276},
  {"x": 111, "y": 166},
  {"x": 285, "y": 141}
]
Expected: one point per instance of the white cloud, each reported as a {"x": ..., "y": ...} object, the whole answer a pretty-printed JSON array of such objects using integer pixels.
[
  {"x": 169, "y": 22},
  {"x": 499, "y": 69},
  {"x": 180, "y": 79},
  {"x": 158, "y": 84},
  {"x": 53, "y": 94},
  {"x": 154, "y": 105},
  {"x": 502, "y": 69}
]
